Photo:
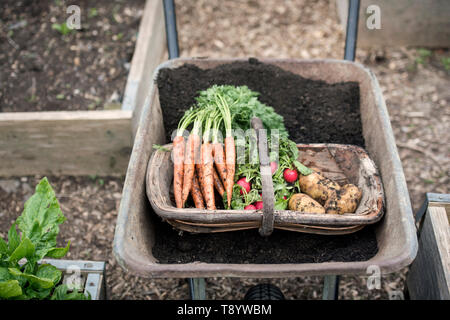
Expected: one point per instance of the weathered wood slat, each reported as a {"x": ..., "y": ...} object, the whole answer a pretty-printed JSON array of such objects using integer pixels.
[
  {"x": 429, "y": 275},
  {"x": 150, "y": 51},
  {"x": 65, "y": 142}
]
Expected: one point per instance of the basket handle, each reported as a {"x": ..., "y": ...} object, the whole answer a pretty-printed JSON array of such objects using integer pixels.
[{"x": 266, "y": 178}]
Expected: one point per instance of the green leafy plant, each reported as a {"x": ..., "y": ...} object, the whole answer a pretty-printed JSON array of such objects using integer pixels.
[
  {"x": 62, "y": 28},
  {"x": 92, "y": 13},
  {"x": 250, "y": 169},
  {"x": 22, "y": 276},
  {"x": 244, "y": 105},
  {"x": 446, "y": 62},
  {"x": 424, "y": 54}
]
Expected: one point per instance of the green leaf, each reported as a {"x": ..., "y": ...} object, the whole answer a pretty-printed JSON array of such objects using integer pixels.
[
  {"x": 10, "y": 289},
  {"x": 58, "y": 253},
  {"x": 24, "y": 249},
  {"x": 13, "y": 239},
  {"x": 302, "y": 168},
  {"x": 40, "y": 219},
  {"x": 50, "y": 272},
  {"x": 4, "y": 274},
  {"x": 35, "y": 280},
  {"x": 41, "y": 294},
  {"x": 159, "y": 147},
  {"x": 3, "y": 247},
  {"x": 62, "y": 292}
]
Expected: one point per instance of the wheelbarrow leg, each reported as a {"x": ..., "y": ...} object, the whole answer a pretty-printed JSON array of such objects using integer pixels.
[
  {"x": 330, "y": 288},
  {"x": 197, "y": 288}
]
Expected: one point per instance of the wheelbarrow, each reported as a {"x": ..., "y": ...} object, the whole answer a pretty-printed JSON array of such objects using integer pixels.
[{"x": 136, "y": 228}]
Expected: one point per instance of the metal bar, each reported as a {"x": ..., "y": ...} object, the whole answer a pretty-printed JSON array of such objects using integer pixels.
[
  {"x": 94, "y": 285},
  {"x": 352, "y": 30},
  {"x": 197, "y": 288},
  {"x": 330, "y": 288},
  {"x": 171, "y": 28},
  {"x": 435, "y": 198},
  {"x": 83, "y": 265}
]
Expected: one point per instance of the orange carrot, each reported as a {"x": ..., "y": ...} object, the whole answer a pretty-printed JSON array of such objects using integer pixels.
[
  {"x": 208, "y": 176},
  {"x": 178, "y": 156},
  {"x": 197, "y": 194},
  {"x": 189, "y": 166},
  {"x": 230, "y": 153},
  {"x": 219, "y": 161},
  {"x": 218, "y": 183},
  {"x": 178, "y": 171},
  {"x": 199, "y": 172}
]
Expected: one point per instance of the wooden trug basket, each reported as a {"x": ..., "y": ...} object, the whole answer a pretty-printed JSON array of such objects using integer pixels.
[{"x": 341, "y": 163}]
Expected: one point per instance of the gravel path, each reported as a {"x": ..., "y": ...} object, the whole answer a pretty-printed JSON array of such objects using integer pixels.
[{"x": 415, "y": 86}]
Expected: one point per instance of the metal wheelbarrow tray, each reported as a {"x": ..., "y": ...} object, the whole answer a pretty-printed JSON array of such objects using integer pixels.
[{"x": 395, "y": 233}]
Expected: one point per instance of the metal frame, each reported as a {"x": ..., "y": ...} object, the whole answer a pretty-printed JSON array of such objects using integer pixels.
[
  {"x": 92, "y": 271},
  {"x": 430, "y": 198},
  {"x": 331, "y": 282}
]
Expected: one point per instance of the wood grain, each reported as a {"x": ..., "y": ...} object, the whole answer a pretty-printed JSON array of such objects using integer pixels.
[
  {"x": 429, "y": 275},
  {"x": 65, "y": 142},
  {"x": 150, "y": 51}
]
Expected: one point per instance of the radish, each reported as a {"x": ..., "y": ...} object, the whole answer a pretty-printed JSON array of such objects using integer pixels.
[
  {"x": 244, "y": 184},
  {"x": 250, "y": 207},
  {"x": 273, "y": 167},
  {"x": 290, "y": 175},
  {"x": 258, "y": 205}
]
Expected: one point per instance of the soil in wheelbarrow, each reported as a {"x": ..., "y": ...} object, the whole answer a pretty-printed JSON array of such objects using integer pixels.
[{"x": 314, "y": 112}]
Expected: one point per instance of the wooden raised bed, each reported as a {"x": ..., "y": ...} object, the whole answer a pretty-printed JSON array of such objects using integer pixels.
[
  {"x": 85, "y": 142},
  {"x": 429, "y": 274},
  {"x": 135, "y": 234}
]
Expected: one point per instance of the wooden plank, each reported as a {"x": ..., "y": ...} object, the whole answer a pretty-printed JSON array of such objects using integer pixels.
[
  {"x": 429, "y": 275},
  {"x": 65, "y": 142},
  {"x": 150, "y": 51}
]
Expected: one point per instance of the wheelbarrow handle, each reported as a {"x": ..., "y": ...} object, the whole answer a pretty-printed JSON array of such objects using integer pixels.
[
  {"x": 351, "y": 30},
  {"x": 171, "y": 28},
  {"x": 267, "y": 222},
  {"x": 350, "y": 38}
]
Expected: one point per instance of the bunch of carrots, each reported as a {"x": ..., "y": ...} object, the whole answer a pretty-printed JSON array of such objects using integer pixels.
[{"x": 202, "y": 163}]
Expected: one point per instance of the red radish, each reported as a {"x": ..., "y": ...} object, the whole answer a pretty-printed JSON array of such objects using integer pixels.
[
  {"x": 273, "y": 167},
  {"x": 290, "y": 175},
  {"x": 258, "y": 205},
  {"x": 250, "y": 207},
  {"x": 244, "y": 184}
]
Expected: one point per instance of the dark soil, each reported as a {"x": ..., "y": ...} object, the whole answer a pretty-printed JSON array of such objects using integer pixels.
[
  {"x": 249, "y": 247},
  {"x": 43, "y": 69},
  {"x": 314, "y": 111}
]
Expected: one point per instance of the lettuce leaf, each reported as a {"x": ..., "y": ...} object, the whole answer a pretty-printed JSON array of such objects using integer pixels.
[
  {"x": 41, "y": 218},
  {"x": 10, "y": 289},
  {"x": 39, "y": 227}
]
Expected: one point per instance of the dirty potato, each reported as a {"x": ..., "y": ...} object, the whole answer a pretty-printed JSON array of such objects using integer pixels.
[
  {"x": 344, "y": 201},
  {"x": 318, "y": 187},
  {"x": 304, "y": 203}
]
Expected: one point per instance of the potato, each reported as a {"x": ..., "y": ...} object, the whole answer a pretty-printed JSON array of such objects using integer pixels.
[
  {"x": 318, "y": 187},
  {"x": 304, "y": 203},
  {"x": 344, "y": 201}
]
